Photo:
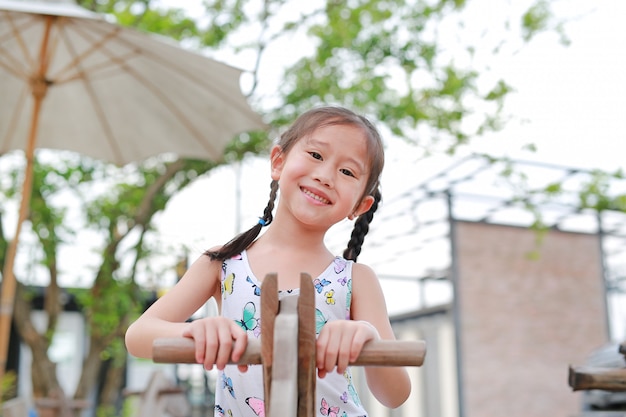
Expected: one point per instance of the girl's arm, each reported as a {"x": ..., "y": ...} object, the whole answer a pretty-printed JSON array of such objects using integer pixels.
[
  {"x": 167, "y": 316},
  {"x": 390, "y": 385}
]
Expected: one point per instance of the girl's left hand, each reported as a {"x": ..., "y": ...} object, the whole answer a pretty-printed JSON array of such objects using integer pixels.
[{"x": 340, "y": 342}]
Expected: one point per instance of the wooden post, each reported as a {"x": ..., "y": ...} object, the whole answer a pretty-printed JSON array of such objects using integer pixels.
[
  {"x": 269, "y": 310},
  {"x": 306, "y": 351}
]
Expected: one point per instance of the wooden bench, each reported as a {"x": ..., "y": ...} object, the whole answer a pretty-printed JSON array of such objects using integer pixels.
[{"x": 288, "y": 333}]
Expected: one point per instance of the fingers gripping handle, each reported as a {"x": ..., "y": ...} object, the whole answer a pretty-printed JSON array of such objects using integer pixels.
[
  {"x": 182, "y": 350},
  {"x": 292, "y": 342},
  {"x": 374, "y": 353}
]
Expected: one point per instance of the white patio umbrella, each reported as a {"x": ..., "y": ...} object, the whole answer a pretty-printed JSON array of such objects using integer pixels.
[{"x": 70, "y": 79}]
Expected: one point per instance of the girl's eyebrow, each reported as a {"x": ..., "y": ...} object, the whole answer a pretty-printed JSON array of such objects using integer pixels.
[{"x": 349, "y": 158}]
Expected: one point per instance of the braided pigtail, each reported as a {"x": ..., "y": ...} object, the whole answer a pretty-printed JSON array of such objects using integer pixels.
[
  {"x": 361, "y": 227},
  {"x": 245, "y": 239}
]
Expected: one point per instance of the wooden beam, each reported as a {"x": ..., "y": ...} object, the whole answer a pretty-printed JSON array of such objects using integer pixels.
[{"x": 608, "y": 379}]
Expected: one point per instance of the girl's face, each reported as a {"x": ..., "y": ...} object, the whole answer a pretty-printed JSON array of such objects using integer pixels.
[{"x": 323, "y": 176}]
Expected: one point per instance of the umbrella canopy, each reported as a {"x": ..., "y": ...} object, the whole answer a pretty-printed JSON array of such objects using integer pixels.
[
  {"x": 110, "y": 92},
  {"x": 71, "y": 80}
]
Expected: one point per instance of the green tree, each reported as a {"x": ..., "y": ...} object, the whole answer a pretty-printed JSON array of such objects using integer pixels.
[{"x": 383, "y": 58}]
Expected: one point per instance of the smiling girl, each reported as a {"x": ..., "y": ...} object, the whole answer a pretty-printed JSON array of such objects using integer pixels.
[{"x": 326, "y": 168}]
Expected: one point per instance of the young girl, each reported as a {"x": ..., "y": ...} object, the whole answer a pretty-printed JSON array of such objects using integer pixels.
[{"x": 327, "y": 167}]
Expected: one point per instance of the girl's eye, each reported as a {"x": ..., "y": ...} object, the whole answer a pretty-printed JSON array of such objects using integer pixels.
[
  {"x": 346, "y": 172},
  {"x": 315, "y": 155}
]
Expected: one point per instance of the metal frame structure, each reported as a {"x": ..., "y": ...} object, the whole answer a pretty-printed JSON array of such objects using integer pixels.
[{"x": 507, "y": 192}]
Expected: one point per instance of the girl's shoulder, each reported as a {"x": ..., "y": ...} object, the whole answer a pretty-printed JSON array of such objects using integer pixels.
[
  {"x": 204, "y": 264},
  {"x": 364, "y": 276},
  {"x": 362, "y": 270}
]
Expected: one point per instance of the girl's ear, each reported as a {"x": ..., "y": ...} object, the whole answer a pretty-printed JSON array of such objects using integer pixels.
[
  {"x": 363, "y": 207},
  {"x": 277, "y": 160}
]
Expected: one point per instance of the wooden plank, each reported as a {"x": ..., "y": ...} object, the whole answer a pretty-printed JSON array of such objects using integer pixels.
[
  {"x": 283, "y": 400},
  {"x": 608, "y": 379},
  {"x": 269, "y": 310},
  {"x": 306, "y": 353}
]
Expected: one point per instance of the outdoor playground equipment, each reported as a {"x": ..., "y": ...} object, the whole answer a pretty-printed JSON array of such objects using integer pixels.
[{"x": 288, "y": 338}]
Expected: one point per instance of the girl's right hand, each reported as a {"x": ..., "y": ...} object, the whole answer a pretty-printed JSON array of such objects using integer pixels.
[{"x": 217, "y": 340}]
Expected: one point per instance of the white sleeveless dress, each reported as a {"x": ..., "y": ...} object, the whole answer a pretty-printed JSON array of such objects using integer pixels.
[{"x": 241, "y": 394}]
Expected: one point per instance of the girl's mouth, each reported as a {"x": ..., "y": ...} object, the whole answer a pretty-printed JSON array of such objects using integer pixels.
[{"x": 315, "y": 196}]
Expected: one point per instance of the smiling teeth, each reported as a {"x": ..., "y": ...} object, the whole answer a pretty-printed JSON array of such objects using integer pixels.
[{"x": 316, "y": 197}]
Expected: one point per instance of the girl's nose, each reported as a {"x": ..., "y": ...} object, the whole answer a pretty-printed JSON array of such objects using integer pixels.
[{"x": 323, "y": 176}]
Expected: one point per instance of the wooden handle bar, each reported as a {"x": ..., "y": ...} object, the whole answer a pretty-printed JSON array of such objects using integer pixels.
[{"x": 374, "y": 353}]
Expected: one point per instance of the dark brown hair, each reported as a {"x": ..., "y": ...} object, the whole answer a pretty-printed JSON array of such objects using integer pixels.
[{"x": 305, "y": 125}]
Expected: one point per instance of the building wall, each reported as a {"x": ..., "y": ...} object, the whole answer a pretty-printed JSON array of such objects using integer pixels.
[
  {"x": 522, "y": 321},
  {"x": 434, "y": 384}
]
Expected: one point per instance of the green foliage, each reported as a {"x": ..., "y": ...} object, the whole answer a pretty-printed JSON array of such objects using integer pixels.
[
  {"x": 382, "y": 58},
  {"x": 536, "y": 19},
  {"x": 540, "y": 18},
  {"x": 499, "y": 92},
  {"x": 129, "y": 407},
  {"x": 364, "y": 48},
  {"x": 249, "y": 143},
  {"x": 552, "y": 189},
  {"x": 225, "y": 17},
  {"x": 596, "y": 193},
  {"x": 118, "y": 204},
  {"x": 107, "y": 411},
  {"x": 9, "y": 386}
]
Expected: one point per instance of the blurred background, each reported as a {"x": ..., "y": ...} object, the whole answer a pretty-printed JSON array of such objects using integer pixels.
[{"x": 500, "y": 240}]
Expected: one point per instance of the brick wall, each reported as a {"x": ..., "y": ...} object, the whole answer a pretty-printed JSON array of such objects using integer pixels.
[{"x": 523, "y": 321}]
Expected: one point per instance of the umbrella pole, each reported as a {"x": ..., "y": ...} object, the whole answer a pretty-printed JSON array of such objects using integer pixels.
[
  {"x": 39, "y": 87},
  {"x": 8, "y": 278}
]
